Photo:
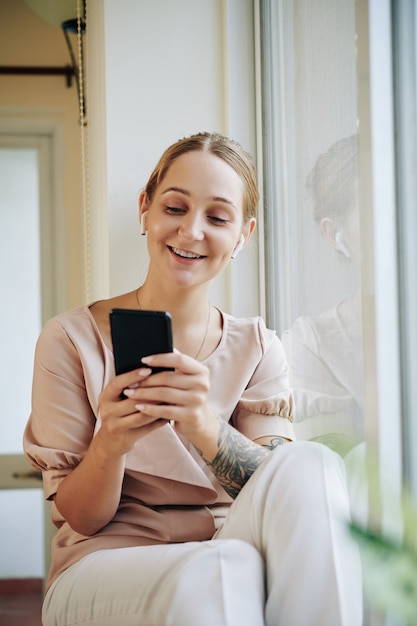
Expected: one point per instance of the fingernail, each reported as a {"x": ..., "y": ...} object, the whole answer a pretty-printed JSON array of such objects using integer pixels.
[
  {"x": 128, "y": 392},
  {"x": 144, "y": 371},
  {"x": 146, "y": 359},
  {"x": 140, "y": 407}
]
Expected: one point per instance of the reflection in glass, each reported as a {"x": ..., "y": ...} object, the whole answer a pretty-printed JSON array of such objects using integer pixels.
[{"x": 325, "y": 351}]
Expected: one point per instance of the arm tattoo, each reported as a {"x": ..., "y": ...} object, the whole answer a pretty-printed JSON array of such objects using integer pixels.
[
  {"x": 274, "y": 443},
  {"x": 236, "y": 460}
]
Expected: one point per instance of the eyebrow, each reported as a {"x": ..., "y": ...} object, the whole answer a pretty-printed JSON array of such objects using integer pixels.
[{"x": 187, "y": 193}]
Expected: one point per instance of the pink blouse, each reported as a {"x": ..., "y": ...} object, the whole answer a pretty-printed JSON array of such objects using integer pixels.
[{"x": 168, "y": 494}]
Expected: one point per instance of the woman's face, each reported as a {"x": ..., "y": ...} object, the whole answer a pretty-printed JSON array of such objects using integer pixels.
[{"x": 195, "y": 219}]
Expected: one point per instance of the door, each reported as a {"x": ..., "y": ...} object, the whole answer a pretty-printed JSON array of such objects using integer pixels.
[{"x": 25, "y": 253}]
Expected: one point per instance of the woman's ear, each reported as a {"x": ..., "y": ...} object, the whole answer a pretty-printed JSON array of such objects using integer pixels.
[
  {"x": 328, "y": 230},
  {"x": 250, "y": 227},
  {"x": 333, "y": 236}
]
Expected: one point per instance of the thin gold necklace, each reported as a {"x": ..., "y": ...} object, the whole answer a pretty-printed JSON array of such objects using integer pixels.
[{"x": 207, "y": 325}]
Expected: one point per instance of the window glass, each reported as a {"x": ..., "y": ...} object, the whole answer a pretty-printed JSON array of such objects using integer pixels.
[
  {"x": 20, "y": 278},
  {"x": 21, "y": 545},
  {"x": 312, "y": 221}
]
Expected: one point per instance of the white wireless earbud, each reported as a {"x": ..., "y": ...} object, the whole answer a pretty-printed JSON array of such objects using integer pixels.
[
  {"x": 143, "y": 224},
  {"x": 238, "y": 246},
  {"x": 341, "y": 245}
]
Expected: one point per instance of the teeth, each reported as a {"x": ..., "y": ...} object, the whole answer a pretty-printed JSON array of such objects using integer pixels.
[{"x": 187, "y": 255}]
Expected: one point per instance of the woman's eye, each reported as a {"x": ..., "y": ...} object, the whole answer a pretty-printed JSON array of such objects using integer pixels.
[
  {"x": 174, "y": 210},
  {"x": 217, "y": 220}
]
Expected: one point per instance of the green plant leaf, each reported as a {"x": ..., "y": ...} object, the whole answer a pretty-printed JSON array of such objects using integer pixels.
[{"x": 390, "y": 573}]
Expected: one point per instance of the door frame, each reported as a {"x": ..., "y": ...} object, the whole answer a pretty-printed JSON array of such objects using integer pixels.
[{"x": 43, "y": 131}]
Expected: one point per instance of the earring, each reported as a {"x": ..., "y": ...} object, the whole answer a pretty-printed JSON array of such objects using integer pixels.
[
  {"x": 341, "y": 245},
  {"x": 143, "y": 224},
  {"x": 238, "y": 247}
]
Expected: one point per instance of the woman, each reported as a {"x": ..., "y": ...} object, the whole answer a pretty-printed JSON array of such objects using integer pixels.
[
  {"x": 142, "y": 469},
  {"x": 325, "y": 352}
]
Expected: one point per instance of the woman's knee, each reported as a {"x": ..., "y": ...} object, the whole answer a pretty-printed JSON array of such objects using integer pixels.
[
  {"x": 307, "y": 453},
  {"x": 238, "y": 553},
  {"x": 222, "y": 559},
  {"x": 297, "y": 477},
  {"x": 223, "y": 583},
  {"x": 304, "y": 462}
]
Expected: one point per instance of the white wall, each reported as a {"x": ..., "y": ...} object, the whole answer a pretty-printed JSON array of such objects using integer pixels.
[
  {"x": 158, "y": 70},
  {"x": 171, "y": 69}
]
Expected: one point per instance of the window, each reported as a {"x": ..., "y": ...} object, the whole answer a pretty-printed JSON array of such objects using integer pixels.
[
  {"x": 313, "y": 256},
  {"x": 339, "y": 91}
]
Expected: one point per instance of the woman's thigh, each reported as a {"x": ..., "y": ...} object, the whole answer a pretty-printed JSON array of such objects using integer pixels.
[{"x": 214, "y": 582}]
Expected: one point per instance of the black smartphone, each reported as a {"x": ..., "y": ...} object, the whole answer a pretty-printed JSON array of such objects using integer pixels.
[{"x": 136, "y": 334}]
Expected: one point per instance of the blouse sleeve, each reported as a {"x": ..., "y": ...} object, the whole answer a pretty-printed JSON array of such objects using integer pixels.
[
  {"x": 266, "y": 405},
  {"x": 62, "y": 421}
]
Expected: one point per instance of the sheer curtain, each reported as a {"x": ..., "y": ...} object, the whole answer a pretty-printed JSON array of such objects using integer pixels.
[{"x": 313, "y": 254}]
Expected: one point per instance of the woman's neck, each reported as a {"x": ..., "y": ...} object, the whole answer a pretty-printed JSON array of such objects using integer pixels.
[
  {"x": 186, "y": 307},
  {"x": 196, "y": 325}
]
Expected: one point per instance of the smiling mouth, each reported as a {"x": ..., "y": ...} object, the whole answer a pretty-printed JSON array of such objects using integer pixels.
[{"x": 186, "y": 255}]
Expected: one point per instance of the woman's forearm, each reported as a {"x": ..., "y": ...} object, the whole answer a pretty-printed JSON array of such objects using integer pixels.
[
  {"x": 233, "y": 457},
  {"x": 236, "y": 459},
  {"x": 88, "y": 498}
]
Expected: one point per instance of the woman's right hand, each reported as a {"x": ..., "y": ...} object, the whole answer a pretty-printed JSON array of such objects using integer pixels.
[{"x": 121, "y": 423}]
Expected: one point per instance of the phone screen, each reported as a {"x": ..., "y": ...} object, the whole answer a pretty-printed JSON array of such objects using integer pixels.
[{"x": 136, "y": 334}]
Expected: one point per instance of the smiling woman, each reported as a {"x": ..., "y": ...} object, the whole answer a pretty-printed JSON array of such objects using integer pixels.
[
  {"x": 195, "y": 218},
  {"x": 197, "y": 222},
  {"x": 152, "y": 475}
]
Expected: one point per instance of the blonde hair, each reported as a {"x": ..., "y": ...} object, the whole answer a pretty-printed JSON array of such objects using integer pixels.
[{"x": 226, "y": 149}]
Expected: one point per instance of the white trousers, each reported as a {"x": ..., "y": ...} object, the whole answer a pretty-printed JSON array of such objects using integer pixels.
[{"x": 283, "y": 557}]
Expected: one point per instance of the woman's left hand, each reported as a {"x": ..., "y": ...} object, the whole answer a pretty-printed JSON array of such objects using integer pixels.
[{"x": 180, "y": 395}]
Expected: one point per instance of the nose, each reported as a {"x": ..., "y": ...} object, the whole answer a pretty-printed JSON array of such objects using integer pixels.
[{"x": 191, "y": 228}]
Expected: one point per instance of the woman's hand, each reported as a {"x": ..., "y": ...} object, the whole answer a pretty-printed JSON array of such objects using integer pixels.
[
  {"x": 180, "y": 396},
  {"x": 122, "y": 424}
]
